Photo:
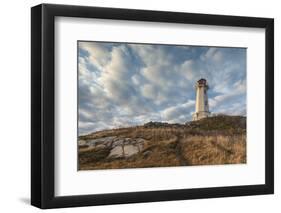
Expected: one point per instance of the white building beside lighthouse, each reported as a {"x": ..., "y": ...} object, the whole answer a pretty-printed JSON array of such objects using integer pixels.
[{"x": 202, "y": 105}]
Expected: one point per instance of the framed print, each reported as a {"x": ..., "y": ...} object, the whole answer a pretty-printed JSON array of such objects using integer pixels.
[{"x": 139, "y": 106}]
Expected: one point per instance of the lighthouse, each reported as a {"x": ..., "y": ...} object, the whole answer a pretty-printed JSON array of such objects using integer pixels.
[{"x": 202, "y": 105}]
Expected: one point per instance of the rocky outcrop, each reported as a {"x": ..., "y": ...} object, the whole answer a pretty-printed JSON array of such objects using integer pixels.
[
  {"x": 82, "y": 143},
  {"x": 118, "y": 147},
  {"x": 116, "y": 152},
  {"x": 105, "y": 141}
]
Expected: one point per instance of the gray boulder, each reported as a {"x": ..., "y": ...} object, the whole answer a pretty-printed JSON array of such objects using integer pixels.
[
  {"x": 81, "y": 142},
  {"x": 130, "y": 150},
  {"x": 116, "y": 152},
  {"x": 118, "y": 142},
  {"x": 105, "y": 140}
]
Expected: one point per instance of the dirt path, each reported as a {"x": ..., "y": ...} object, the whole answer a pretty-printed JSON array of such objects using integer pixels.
[{"x": 178, "y": 149}]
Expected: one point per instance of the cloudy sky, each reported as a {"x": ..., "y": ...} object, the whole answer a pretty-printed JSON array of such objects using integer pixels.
[{"x": 130, "y": 84}]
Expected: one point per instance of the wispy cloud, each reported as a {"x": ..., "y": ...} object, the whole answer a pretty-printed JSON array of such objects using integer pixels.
[{"x": 130, "y": 84}]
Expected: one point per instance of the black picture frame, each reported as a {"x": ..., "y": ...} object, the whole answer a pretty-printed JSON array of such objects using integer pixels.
[{"x": 43, "y": 102}]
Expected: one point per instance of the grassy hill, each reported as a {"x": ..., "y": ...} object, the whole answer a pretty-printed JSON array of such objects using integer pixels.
[{"x": 210, "y": 141}]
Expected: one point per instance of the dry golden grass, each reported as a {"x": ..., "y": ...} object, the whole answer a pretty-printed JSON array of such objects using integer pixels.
[
  {"x": 210, "y": 150},
  {"x": 169, "y": 146},
  {"x": 163, "y": 148},
  {"x": 159, "y": 156}
]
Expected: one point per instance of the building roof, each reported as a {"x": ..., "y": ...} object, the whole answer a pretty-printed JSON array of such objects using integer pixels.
[{"x": 202, "y": 81}]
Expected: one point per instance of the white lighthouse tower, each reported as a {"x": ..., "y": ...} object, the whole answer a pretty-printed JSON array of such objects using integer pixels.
[{"x": 202, "y": 105}]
